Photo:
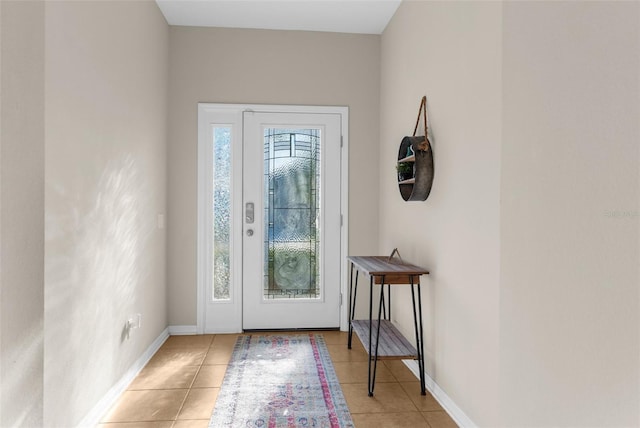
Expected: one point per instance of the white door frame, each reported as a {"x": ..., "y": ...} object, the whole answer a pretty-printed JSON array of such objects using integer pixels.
[{"x": 231, "y": 114}]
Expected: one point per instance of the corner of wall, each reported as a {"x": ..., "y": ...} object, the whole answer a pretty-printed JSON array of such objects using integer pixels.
[{"x": 22, "y": 101}]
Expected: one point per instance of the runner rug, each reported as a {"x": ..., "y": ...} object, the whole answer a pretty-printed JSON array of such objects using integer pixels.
[{"x": 280, "y": 381}]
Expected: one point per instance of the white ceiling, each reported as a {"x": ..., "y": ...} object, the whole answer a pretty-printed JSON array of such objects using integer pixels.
[{"x": 342, "y": 16}]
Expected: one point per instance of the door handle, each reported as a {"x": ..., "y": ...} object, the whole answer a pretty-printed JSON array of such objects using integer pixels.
[{"x": 249, "y": 212}]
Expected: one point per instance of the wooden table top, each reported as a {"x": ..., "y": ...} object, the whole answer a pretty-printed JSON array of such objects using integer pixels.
[{"x": 381, "y": 265}]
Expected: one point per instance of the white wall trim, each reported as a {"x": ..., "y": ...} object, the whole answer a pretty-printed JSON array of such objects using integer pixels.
[
  {"x": 96, "y": 414},
  {"x": 182, "y": 330},
  {"x": 456, "y": 413}
]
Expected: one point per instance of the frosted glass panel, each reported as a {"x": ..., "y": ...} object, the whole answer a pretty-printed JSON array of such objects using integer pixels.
[
  {"x": 291, "y": 213},
  {"x": 221, "y": 212}
]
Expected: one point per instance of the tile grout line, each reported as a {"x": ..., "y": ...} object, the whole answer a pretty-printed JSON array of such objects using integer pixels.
[{"x": 175, "y": 420}]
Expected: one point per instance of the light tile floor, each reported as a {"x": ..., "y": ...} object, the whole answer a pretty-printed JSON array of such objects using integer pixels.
[{"x": 179, "y": 386}]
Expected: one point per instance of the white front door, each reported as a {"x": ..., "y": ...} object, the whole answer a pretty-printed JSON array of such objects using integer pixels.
[
  {"x": 270, "y": 238},
  {"x": 291, "y": 246}
]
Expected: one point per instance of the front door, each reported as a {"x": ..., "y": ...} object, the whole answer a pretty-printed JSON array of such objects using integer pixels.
[
  {"x": 270, "y": 234},
  {"x": 291, "y": 244}
]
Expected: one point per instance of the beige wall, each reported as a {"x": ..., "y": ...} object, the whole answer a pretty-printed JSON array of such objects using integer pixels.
[
  {"x": 106, "y": 109},
  {"x": 532, "y": 229},
  {"x": 450, "y": 52},
  {"x": 569, "y": 309},
  {"x": 266, "y": 67},
  {"x": 21, "y": 212}
]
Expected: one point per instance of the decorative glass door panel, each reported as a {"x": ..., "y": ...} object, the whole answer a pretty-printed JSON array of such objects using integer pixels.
[
  {"x": 221, "y": 212},
  {"x": 291, "y": 213},
  {"x": 291, "y": 244}
]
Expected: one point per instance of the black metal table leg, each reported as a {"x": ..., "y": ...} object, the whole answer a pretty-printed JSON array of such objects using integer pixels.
[
  {"x": 370, "y": 318},
  {"x": 374, "y": 356},
  {"x": 384, "y": 305},
  {"x": 389, "y": 299},
  {"x": 351, "y": 300},
  {"x": 419, "y": 347},
  {"x": 422, "y": 369}
]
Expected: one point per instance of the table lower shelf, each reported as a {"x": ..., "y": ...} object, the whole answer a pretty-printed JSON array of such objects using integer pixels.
[{"x": 393, "y": 345}]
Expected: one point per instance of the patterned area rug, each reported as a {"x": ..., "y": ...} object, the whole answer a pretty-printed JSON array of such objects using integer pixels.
[{"x": 280, "y": 381}]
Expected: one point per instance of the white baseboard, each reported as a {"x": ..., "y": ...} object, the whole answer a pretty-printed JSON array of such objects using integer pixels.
[
  {"x": 456, "y": 413},
  {"x": 94, "y": 417},
  {"x": 182, "y": 330}
]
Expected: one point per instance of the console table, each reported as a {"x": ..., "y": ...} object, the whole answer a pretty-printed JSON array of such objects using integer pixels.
[{"x": 380, "y": 337}]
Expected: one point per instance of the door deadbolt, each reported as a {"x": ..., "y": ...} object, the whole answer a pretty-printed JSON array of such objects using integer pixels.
[
  {"x": 249, "y": 232},
  {"x": 249, "y": 210}
]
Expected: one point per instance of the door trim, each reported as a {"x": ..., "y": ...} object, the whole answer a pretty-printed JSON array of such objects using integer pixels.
[{"x": 225, "y": 111}]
